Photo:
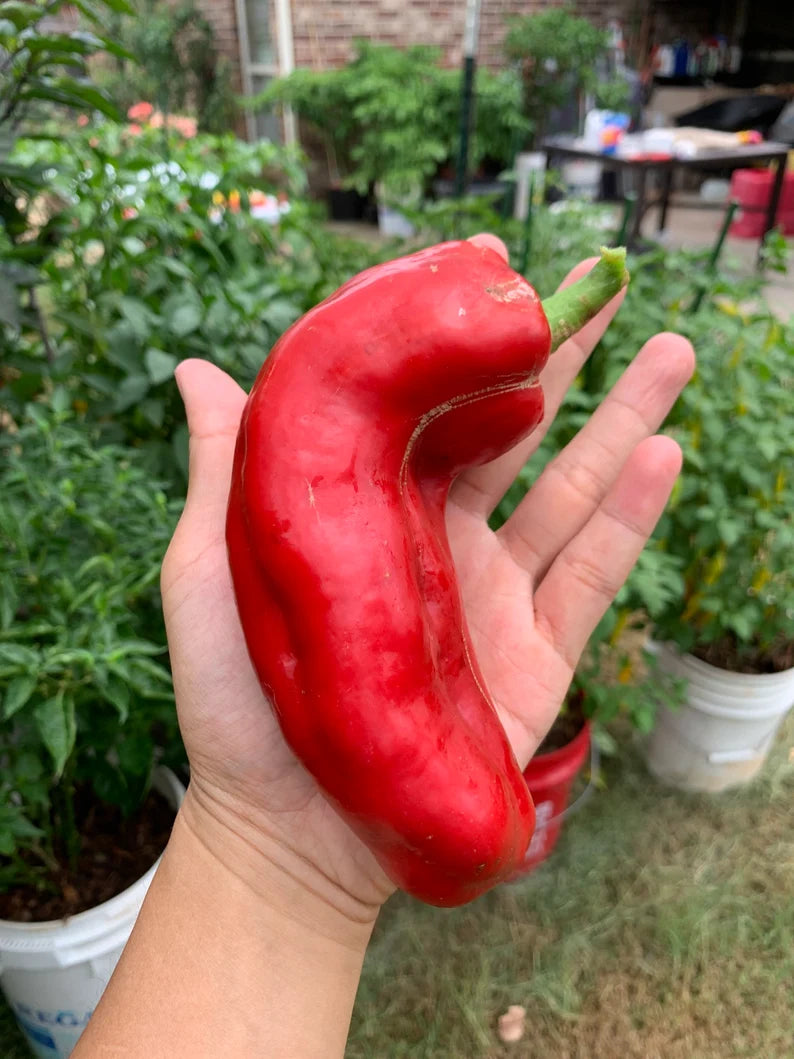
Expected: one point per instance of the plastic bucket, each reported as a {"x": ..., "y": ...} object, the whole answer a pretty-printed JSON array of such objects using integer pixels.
[
  {"x": 721, "y": 735},
  {"x": 752, "y": 189},
  {"x": 550, "y": 778},
  {"x": 54, "y": 973}
]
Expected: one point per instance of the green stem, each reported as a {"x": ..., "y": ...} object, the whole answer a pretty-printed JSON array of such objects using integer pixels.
[{"x": 568, "y": 310}]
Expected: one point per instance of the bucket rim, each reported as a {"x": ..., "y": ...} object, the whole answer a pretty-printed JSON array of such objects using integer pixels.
[{"x": 53, "y": 934}]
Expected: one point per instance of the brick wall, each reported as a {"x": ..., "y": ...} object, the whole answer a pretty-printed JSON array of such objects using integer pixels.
[
  {"x": 324, "y": 30},
  {"x": 222, "y": 16}
]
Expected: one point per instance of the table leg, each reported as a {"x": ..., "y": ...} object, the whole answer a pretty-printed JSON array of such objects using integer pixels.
[
  {"x": 774, "y": 201},
  {"x": 777, "y": 188},
  {"x": 639, "y": 209},
  {"x": 667, "y": 187}
]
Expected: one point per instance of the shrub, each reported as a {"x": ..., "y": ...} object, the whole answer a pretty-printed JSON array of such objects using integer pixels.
[{"x": 87, "y": 700}]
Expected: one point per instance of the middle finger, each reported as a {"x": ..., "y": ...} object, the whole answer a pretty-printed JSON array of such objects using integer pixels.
[{"x": 571, "y": 487}]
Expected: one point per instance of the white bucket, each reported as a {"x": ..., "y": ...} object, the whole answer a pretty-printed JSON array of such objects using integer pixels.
[
  {"x": 392, "y": 222},
  {"x": 54, "y": 973},
  {"x": 721, "y": 734},
  {"x": 529, "y": 164}
]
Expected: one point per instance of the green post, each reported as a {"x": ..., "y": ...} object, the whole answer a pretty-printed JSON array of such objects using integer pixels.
[{"x": 470, "y": 34}]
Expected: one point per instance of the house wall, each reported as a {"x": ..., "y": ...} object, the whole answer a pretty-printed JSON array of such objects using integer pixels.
[{"x": 324, "y": 30}]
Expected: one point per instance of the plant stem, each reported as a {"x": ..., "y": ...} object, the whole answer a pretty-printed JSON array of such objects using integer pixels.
[{"x": 570, "y": 309}]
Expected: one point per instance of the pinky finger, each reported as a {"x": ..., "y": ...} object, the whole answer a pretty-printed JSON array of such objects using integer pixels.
[{"x": 586, "y": 575}]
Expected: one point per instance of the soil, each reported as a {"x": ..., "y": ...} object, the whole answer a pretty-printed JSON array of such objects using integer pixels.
[
  {"x": 726, "y": 654},
  {"x": 115, "y": 853},
  {"x": 568, "y": 725}
]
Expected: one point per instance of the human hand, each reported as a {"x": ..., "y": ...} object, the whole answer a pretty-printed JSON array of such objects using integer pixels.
[{"x": 531, "y": 608}]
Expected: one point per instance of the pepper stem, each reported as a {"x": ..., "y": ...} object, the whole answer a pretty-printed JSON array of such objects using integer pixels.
[{"x": 570, "y": 309}]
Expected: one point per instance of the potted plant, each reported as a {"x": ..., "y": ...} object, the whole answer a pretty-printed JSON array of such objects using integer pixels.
[
  {"x": 729, "y": 632},
  {"x": 559, "y": 55},
  {"x": 87, "y": 713},
  {"x": 323, "y": 100}
]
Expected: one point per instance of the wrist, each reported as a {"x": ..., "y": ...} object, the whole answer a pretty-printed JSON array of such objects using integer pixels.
[{"x": 247, "y": 846}]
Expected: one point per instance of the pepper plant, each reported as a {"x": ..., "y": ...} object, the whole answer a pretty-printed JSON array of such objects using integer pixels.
[
  {"x": 162, "y": 256},
  {"x": 87, "y": 701}
]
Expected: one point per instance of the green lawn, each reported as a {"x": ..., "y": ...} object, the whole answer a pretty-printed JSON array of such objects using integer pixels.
[{"x": 663, "y": 928}]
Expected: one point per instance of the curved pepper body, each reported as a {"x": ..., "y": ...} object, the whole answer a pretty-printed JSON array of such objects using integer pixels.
[{"x": 362, "y": 416}]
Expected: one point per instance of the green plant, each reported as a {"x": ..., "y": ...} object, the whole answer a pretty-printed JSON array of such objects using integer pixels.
[
  {"x": 558, "y": 53},
  {"x": 162, "y": 257},
  {"x": 322, "y": 98},
  {"x": 87, "y": 698},
  {"x": 40, "y": 72},
  {"x": 172, "y": 61},
  {"x": 390, "y": 116},
  {"x": 731, "y": 521}
]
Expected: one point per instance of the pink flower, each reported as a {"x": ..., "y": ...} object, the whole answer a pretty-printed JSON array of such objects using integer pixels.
[
  {"x": 129, "y": 213},
  {"x": 184, "y": 125},
  {"x": 82, "y": 120},
  {"x": 156, "y": 121},
  {"x": 140, "y": 111},
  {"x": 134, "y": 130}
]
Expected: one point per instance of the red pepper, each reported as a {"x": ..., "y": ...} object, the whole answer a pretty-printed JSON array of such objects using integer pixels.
[{"x": 363, "y": 414}]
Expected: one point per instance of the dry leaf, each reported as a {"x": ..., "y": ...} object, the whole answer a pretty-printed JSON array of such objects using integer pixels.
[{"x": 511, "y": 1024}]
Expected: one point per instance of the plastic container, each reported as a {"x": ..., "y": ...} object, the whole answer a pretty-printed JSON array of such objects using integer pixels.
[
  {"x": 752, "y": 189},
  {"x": 721, "y": 735},
  {"x": 54, "y": 973},
  {"x": 550, "y": 778}
]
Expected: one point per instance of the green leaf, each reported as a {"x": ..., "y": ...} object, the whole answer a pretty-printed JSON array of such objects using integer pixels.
[
  {"x": 185, "y": 319},
  {"x": 21, "y": 14},
  {"x": 70, "y": 93},
  {"x": 60, "y": 399},
  {"x": 153, "y": 411},
  {"x": 135, "y": 754},
  {"x": 139, "y": 316},
  {"x": 55, "y": 722},
  {"x": 160, "y": 365},
  {"x": 19, "y": 655},
  {"x": 9, "y": 601},
  {"x": 132, "y": 390},
  {"x": 17, "y": 693},
  {"x": 117, "y": 693}
]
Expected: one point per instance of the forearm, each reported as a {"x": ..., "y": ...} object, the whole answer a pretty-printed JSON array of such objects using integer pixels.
[{"x": 216, "y": 966}]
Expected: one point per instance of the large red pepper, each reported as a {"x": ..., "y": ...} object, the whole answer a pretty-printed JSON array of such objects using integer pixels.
[{"x": 363, "y": 414}]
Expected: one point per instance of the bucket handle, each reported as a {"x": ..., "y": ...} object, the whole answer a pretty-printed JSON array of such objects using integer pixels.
[{"x": 587, "y": 793}]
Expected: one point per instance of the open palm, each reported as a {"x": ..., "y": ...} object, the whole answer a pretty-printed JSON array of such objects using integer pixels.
[{"x": 533, "y": 593}]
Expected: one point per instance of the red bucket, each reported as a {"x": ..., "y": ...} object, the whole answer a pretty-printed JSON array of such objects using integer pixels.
[
  {"x": 752, "y": 189},
  {"x": 550, "y": 778}
]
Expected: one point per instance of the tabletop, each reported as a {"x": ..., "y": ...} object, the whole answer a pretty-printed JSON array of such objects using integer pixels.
[{"x": 768, "y": 150}]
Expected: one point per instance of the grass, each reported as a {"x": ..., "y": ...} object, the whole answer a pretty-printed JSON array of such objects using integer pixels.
[{"x": 661, "y": 928}]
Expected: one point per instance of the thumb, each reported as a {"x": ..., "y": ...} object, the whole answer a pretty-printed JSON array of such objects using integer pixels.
[{"x": 214, "y": 404}]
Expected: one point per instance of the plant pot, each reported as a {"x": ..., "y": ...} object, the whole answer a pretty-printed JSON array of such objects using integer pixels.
[
  {"x": 550, "y": 778},
  {"x": 721, "y": 735},
  {"x": 345, "y": 204},
  {"x": 391, "y": 220},
  {"x": 54, "y": 973}
]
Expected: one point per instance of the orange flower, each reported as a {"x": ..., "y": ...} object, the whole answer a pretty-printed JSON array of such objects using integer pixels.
[
  {"x": 140, "y": 111},
  {"x": 234, "y": 201}
]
